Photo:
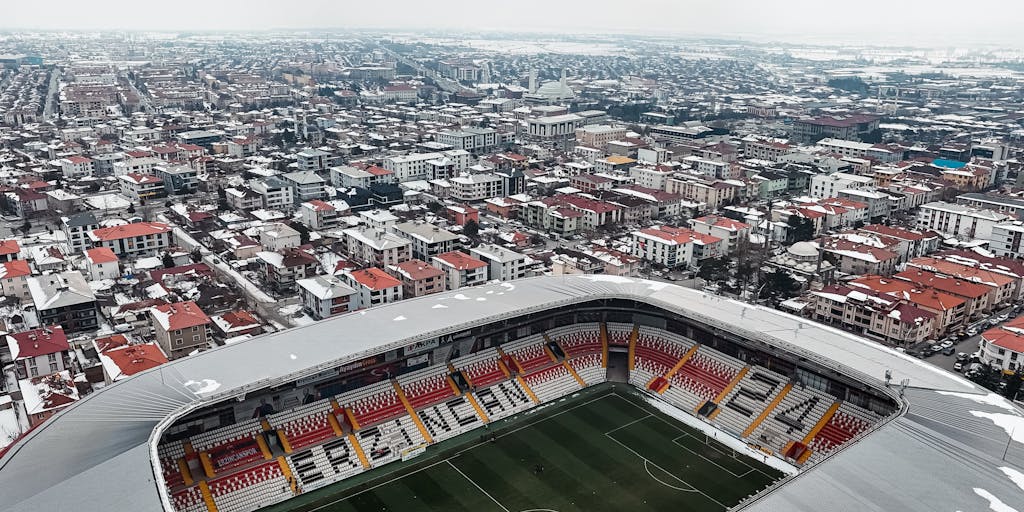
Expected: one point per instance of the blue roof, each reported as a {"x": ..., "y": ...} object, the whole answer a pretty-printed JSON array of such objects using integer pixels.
[{"x": 949, "y": 164}]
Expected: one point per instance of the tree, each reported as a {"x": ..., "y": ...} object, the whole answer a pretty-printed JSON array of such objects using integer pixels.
[
  {"x": 303, "y": 232},
  {"x": 131, "y": 208},
  {"x": 222, "y": 200},
  {"x": 714, "y": 269},
  {"x": 196, "y": 255},
  {"x": 25, "y": 227},
  {"x": 800, "y": 229},
  {"x": 168, "y": 260},
  {"x": 1013, "y": 384},
  {"x": 778, "y": 286},
  {"x": 471, "y": 229}
]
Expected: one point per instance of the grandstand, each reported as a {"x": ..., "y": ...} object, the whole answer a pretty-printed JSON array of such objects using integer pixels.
[{"x": 280, "y": 418}]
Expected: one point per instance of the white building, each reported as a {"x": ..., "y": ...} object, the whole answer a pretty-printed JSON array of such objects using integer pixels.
[
  {"x": 462, "y": 269},
  {"x": 277, "y": 194},
  {"x": 502, "y": 264},
  {"x": 471, "y": 139},
  {"x": 959, "y": 221},
  {"x": 419, "y": 166},
  {"x": 673, "y": 247},
  {"x": 376, "y": 247},
  {"x": 1007, "y": 240},
  {"x": 75, "y": 167},
  {"x": 317, "y": 214},
  {"x": 102, "y": 263},
  {"x": 375, "y": 286},
  {"x": 277, "y": 237},
  {"x": 427, "y": 239},
  {"x": 326, "y": 296},
  {"x": 829, "y": 185},
  {"x": 476, "y": 187},
  {"x": 133, "y": 240},
  {"x": 306, "y": 186},
  {"x": 139, "y": 187}
]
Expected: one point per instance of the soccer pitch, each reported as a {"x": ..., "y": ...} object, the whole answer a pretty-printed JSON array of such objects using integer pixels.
[{"x": 597, "y": 452}]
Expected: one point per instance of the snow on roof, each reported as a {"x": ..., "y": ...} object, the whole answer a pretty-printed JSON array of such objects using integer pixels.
[{"x": 179, "y": 315}]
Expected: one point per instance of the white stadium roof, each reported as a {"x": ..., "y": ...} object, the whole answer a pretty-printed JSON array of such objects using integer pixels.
[{"x": 943, "y": 450}]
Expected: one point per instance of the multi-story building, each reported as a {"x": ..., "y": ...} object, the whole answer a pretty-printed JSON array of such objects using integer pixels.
[
  {"x": 38, "y": 352},
  {"x": 102, "y": 263},
  {"x": 418, "y": 278},
  {"x": 599, "y": 135},
  {"x": 9, "y": 250},
  {"x": 76, "y": 230},
  {"x": 375, "y": 286},
  {"x": 277, "y": 193},
  {"x": 866, "y": 311},
  {"x": 957, "y": 220},
  {"x": 133, "y": 240},
  {"x": 181, "y": 328},
  {"x": 141, "y": 187},
  {"x": 137, "y": 165},
  {"x": 122, "y": 358},
  {"x": 348, "y": 177},
  {"x": 476, "y": 187},
  {"x": 306, "y": 186},
  {"x": 462, "y": 269},
  {"x": 376, "y": 247},
  {"x": 64, "y": 299},
  {"x": 1003, "y": 347},
  {"x": 848, "y": 127},
  {"x": 76, "y": 167},
  {"x": 474, "y": 140},
  {"x": 560, "y": 128},
  {"x": 829, "y": 185},
  {"x": 950, "y": 311},
  {"x": 14, "y": 279},
  {"x": 851, "y": 148},
  {"x": 427, "y": 240},
  {"x": 502, "y": 264},
  {"x": 1009, "y": 205},
  {"x": 178, "y": 179},
  {"x": 317, "y": 214},
  {"x": 326, "y": 296},
  {"x": 770, "y": 150},
  {"x": 734, "y": 234},
  {"x": 1006, "y": 240},
  {"x": 879, "y": 203},
  {"x": 427, "y": 166},
  {"x": 281, "y": 270},
  {"x": 243, "y": 198}
]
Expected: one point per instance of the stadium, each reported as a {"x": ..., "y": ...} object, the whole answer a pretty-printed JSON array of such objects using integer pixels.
[{"x": 551, "y": 393}]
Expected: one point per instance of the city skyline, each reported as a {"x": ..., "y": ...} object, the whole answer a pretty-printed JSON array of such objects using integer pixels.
[{"x": 911, "y": 23}]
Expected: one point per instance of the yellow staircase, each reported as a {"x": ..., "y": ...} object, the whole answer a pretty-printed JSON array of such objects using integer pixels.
[
  {"x": 574, "y": 374},
  {"x": 412, "y": 412},
  {"x": 814, "y": 431},
  {"x": 526, "y": 388},
  {"x": 476, "y": 406},
  {"x": 359, "y": 451},
  {"x": 725, "y": 392},
  {"x": 768, "y": 410},
  {"x": 207, "y": 497}
]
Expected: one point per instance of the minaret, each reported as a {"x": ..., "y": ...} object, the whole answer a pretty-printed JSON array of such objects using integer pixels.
[{"x": 533, "y": 81}]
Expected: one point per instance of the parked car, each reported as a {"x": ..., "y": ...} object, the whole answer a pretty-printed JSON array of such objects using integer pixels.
[
  {"x": 958, "y": 366},
  {"x": 946, "y": 344},
  {"x": 937, "y": 348},
  {"x": 948, "y": 351},
  {"x": 962, "y": 356}
]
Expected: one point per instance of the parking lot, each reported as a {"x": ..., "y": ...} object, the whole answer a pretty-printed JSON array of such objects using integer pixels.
[{"x": 968, "y": 345}]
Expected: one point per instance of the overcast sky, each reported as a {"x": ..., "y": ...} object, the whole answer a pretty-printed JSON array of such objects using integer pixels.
[{"x": 889, "y": 21}]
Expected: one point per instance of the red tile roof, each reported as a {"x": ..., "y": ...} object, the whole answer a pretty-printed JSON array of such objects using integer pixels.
[
  {"x": 100, "y": 255},
  {"x": 9, "y": 247},
  {"x": 15, "y": 268},
  {"x": 180, "y": 315},
  {"x": 1006, "y": 339},
  {"x": 461, "y": 260},
  {"x": 38, "y": 342},
  {"x": 130, "y": 230},
  {"x": 418, "y": 270},
  {"x": 374, "y": 279}
]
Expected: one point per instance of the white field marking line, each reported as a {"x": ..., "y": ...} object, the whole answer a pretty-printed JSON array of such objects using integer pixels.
[
  {"x": 723, "y": 468},
  {"x": 641, "y": 457},
  {"x": 647, "y": 468},
  {"x": 481, "y": 489},
  {"x": 681, "y": 430},
  {"x": 628, "y": 424}
]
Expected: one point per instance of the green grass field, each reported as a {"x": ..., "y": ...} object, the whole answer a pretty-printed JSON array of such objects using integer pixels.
[{"x": 606, "y": 452}]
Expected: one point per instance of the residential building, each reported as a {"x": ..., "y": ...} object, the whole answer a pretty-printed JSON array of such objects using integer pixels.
[
  {"x": 181, "y": 328},
  {"x": 281, "y": 270},
  {"x": 133, "y": 240},
  {"x": 1011, "y": 206},
  {"x": 318, "y": 215},
  {"x": 9, "y": 250},
  {"x": 375, "y": 286},
  {"x": 277, "y": 193},
  {"x": 1006, "y": 240},
  {"x": 599, "y": 135},
  {"x": 868, "y": 312},
  {"x": 428, "y": 166},
  {"x": 673, "y": 247},
  {"x": 38, "y": 352},
  {"x": 979, "y": 299},
  {"x": 14, "y": 279},
  {"x": 306, "y": 186},
  {"x": 829, "y": 185},
  {"x": 376, "y": 247},
  {"x": 418, "y": 278},
  {"x": 856, "y": 258},
  {"x": 244, "y": 198},
  {"x": 178, "y": 179},
  {"x": 950, "y": 311},
  {"x": 237, "y": 323},
  {"x": 502, "y": 264},
  {"x": 314, "y": 160},
  {"x": 141, "y": 187},
  {"x": 476, "y": 187},
  {"x": 474, "y": 140},
  {"x": 278, "y": 236},
  {"x": 734, "y": 234},
  {"x": 847, "y": 127},
  {"x": 76, "y": 167},
  {"x": 122, "y": 358},
  {"x": 102, "y": 263},
  {"x": 47, "y": 395},
  {"x": 76, "y": 230},
  {"x": 64, "y": 299},
  {"x": 959, "y": 221},
  {"x": 462, "y": 269},
  {"x": 1003, "y": 347},
  {"x": 326, "y": 296},
  {"x": 427, "y": 240}
]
